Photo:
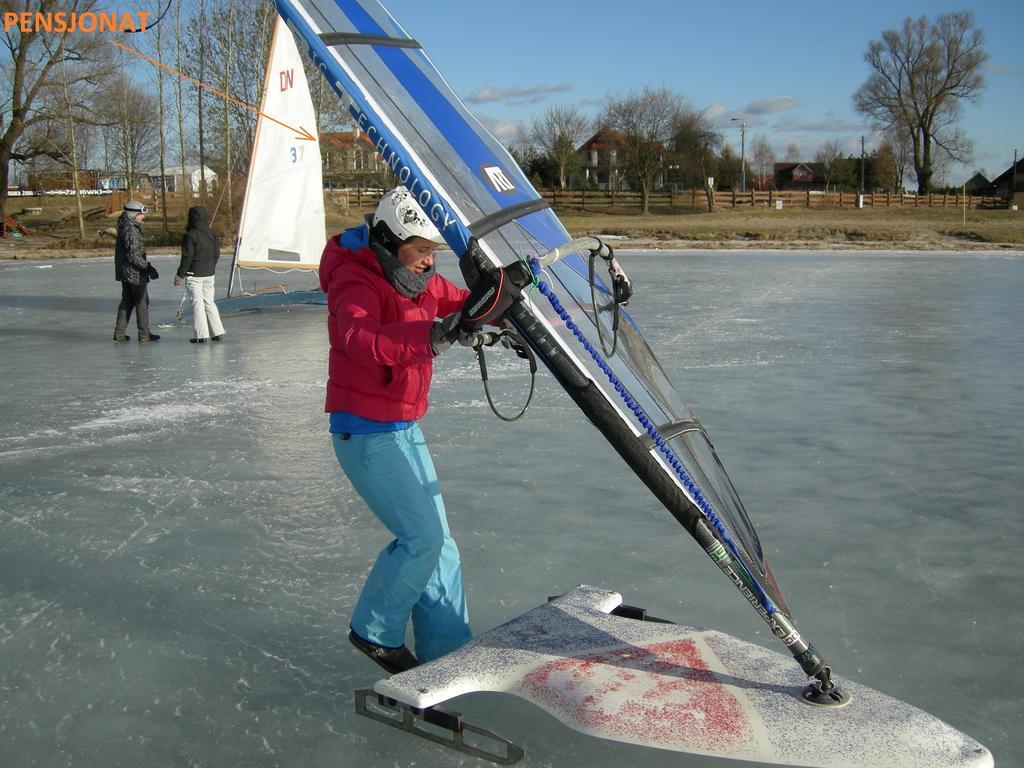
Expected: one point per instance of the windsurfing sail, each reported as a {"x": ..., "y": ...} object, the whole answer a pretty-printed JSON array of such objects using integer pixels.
[
  {"x": 491, "y": 216},
  {"x": 282, "y": 223}
]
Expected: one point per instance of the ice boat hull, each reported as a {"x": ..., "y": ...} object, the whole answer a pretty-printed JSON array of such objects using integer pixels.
[{"x": 681, "y": 688}]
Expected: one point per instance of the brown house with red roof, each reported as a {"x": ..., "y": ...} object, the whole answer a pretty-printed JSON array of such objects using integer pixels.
[
  {"x": 603, "y": 160},
  {"x": 349, "y": 159},
  {"x": 799, "y": 176}
]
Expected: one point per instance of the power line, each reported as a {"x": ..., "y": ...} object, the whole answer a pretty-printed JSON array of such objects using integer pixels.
[{"x": 150, "y": 26}]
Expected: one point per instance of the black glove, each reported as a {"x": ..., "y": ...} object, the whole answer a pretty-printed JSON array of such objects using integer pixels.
[
  {"x": 449, "y": 330},
  {"x": 151, "y": 271},
  {"x": 493, "y": 293},
  {"x": 445, "y": 332}
]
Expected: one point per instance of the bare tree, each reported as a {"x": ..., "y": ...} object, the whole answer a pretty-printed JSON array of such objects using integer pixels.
[
  {"x": 884, "y": 170},
  {"x": 241, "y": 43},
  {"x": 252, "y": 29},
  {"x": 30, "y": 96},
  {"x": 332, "y": 113},
  {"x": 922, "y": 74},
  {"x": 793, "y": 154},
  {"x": 903, "y": 152},
  {"x": 162, "y": 123},
  {"x": 764, "y": 160},
  {"x": 829, "y": 156},
  {"x": 179, "y": 92},
  {"x": 129, "y": 113},
  {"x": 227, "y": 52},
  {"x": 196, "y": 50},
  {"x": 647, "y": 122},
  {"x": 522, "y": 149},
  {"x": 558, "y": 133},
  {"x": 69, "y": 117},
  {"x": 696, "y": 145},
  {"x": 72, "y": 146}
]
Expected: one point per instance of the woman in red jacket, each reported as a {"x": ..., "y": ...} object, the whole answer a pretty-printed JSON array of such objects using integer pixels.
[{"x": 384, "y": 301}]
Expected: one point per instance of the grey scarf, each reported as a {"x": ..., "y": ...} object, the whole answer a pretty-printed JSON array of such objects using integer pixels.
[{"x": 406, "y": 282}]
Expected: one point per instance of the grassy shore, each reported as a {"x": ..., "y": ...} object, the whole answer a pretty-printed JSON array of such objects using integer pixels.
[
  {"x": 56, "y": 232},
  {"x": 880, "y": 228}
]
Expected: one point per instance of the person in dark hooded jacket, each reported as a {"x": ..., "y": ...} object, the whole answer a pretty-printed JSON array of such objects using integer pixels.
[
  {"x": 133, "y": 270},
  {"x": 200, "y": 250}
]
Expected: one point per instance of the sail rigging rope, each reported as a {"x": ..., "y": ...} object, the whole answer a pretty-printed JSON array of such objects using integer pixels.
[
  {"x": 695, "y": 492},
  {"x": 510, "y": 340}
]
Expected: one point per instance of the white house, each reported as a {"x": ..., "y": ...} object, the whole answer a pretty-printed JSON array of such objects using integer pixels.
[{"x": 176, "y": 183}]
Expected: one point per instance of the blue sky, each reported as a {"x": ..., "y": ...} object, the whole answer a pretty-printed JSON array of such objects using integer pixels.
[{"x": 788, "y": 68}]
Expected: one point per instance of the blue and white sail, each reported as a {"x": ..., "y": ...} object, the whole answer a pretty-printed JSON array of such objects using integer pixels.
[{"x": 471, "y": 188}]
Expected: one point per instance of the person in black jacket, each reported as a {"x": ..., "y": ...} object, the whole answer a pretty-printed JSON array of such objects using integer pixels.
[
  {"x": 200, "y": 250},
  {"x": 133, "y": 271}
]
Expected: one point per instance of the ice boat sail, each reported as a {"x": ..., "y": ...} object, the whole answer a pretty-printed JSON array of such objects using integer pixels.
[
  {"x": 489, "y": 213},
  {"x": 282, "y": 223}
]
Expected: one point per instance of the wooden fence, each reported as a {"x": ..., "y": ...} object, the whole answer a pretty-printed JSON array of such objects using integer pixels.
[
  {"x": 608, "y": 202},
  {"x": 601, "y": 201}
]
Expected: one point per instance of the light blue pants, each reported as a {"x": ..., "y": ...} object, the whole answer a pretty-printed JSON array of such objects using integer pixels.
[{"x": 418, "y": 574}]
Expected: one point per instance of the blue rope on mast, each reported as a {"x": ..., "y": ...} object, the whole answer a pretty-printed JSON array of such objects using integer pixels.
[{"x": 695, "y": 492}]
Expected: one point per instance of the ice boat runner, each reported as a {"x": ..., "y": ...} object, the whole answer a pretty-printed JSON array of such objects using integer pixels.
[
  {"x": 466, "y": 182},
  {"x": 282, "y": 224}
]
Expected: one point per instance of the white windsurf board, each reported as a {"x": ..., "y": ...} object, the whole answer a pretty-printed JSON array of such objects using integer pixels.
[{"x": 681, "y": 688}]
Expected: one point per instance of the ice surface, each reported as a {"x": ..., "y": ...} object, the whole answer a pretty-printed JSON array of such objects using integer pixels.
[{"x": 179, "y": 552}]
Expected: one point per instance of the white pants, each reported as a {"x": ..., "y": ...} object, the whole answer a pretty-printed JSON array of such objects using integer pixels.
[{"x": 205, "y": 316}]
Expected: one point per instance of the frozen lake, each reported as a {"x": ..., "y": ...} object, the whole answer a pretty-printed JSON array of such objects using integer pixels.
[{"x": 179, "y": 551}]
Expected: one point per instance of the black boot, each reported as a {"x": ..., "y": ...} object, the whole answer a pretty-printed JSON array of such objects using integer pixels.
[
  {"x": 392, "y": 660},
  {"x": 149, "y": 337}
]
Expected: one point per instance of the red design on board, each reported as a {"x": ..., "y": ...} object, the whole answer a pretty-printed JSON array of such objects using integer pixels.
[{"x": 659, "y": 694}]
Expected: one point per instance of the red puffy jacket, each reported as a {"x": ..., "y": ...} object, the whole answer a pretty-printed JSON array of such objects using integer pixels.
[{"x": 380, "y": 361}]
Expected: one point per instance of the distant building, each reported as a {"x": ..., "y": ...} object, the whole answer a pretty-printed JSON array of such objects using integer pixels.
[
  {"x": 1010, "y": 183},
  {"x": 349, "y": 159},
  {"x": 174, "y": 181},
  {"x": 979, "y": 185},
  {"x": 48, "y": 181},
  {"x": 603, "y": 161},
  {"x": 799, "y": 176}
]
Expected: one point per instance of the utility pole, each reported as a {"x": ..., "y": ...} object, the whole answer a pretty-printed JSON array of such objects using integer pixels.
[
  {"x": 743, "y": 153},
  {"x": 1013, "y": 177}
]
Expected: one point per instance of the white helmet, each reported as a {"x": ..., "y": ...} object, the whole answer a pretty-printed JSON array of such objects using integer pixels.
[
  {"x": 135, "y": 207},
  {"x": 398, "y": 217}
]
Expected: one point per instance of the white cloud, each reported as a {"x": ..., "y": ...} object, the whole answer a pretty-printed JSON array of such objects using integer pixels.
[
  {"x": 830, "y": 123},
  {"x": 713, "y": 111},
  {"x": 999, "y": 69},
  {"x": 505, "y": 131},
  {"x": 771, "y": 105},
  {"x": 516, "y": 94}
]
